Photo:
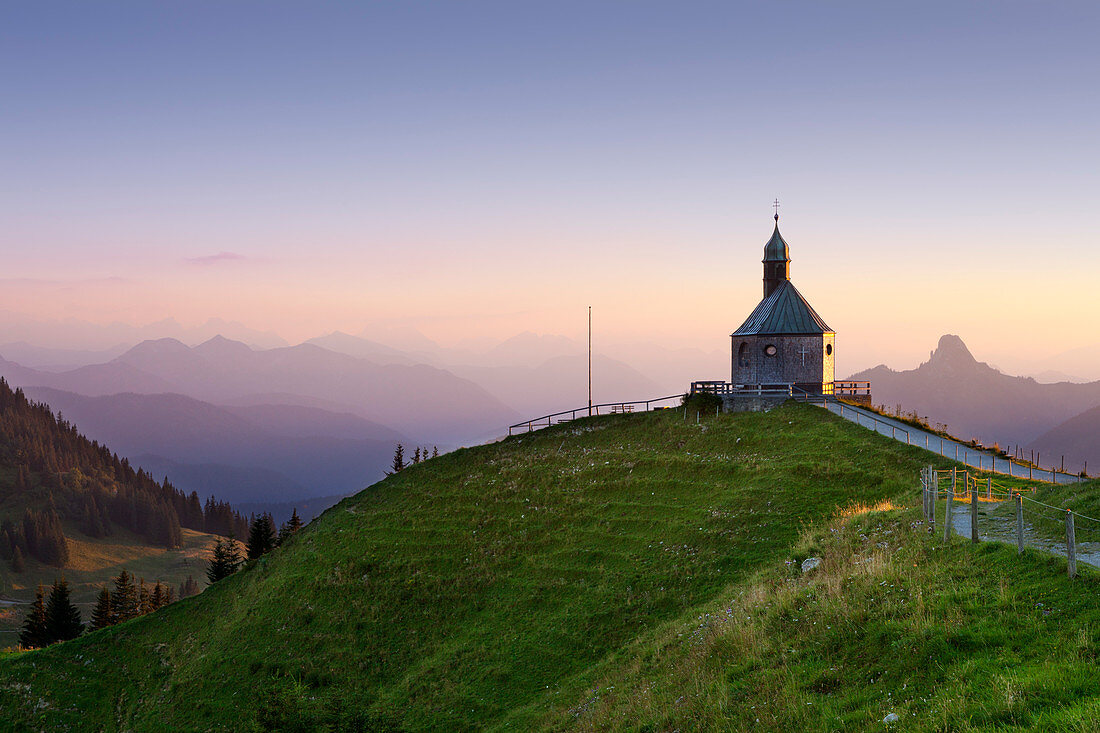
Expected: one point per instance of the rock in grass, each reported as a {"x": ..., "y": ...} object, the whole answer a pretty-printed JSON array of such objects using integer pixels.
[{"x": 810, "y": 563}]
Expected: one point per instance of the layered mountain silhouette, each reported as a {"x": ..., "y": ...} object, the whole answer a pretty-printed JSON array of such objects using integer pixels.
[
  {"x": 975, "y": 400},
  {"x": 539, "y": 374},
  {"x": 430, "y": 403},
  {"x": 262, "y": 453},
  {"x": 1078, "y": 439}
]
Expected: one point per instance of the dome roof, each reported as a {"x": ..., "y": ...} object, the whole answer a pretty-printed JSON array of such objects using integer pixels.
[{"x": 776, "y": 248}]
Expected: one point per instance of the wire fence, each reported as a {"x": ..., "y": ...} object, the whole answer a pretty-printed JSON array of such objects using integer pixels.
[
  {"x": 607, "y": 408},
  {"x": 980, "y": 458},
  {"x": 986, "y": 510}
]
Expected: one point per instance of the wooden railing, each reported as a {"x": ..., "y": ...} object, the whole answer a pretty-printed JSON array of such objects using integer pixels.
[
  {"x": 608, "y": 408},
  {"x": 791, "y": 389}
]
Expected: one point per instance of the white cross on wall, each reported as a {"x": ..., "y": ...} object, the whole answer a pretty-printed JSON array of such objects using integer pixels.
[{"x": 804, "y": 351}]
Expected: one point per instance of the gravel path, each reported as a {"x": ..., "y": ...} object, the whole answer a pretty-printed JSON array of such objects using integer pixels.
[{"x": 944, "y": 446}]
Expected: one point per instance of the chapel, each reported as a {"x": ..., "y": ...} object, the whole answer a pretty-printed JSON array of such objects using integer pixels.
[{"x": 783, "y": 341}]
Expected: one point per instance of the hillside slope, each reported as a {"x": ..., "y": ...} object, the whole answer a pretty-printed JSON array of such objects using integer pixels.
[{"x": 483, "y": 588}]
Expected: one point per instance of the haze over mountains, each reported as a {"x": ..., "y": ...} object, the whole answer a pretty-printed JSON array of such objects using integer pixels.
[
  {"x": 976, "y": 400},
  {"x": 418, "y": 400},
  {"x": 320, "y": 419},
  {"x": 260, "y": 453}
]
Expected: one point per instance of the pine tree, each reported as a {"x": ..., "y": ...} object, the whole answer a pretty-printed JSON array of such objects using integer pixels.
[
  {"x": 34, "y": 633},
  {"x": 102, "y": 615},
  {"x": 17, "y": 564},
  {"x": 290, "y": 527},
  {"x": 62, "y": 617},
  {"x": 188, "y": 588},
  {"x": 156, "y": 600},
  {"x": 169, "y": 595},
  {"x": 226, "y": 560},
  {"x": 416, "y": 455},
  {"x": 145, "y": 601},
  {"x": 261, "y": 536},
  {"x": 398, "y": 460},
  {"x": 124, "y": 603},
  {"x": 435, "y": 451}
]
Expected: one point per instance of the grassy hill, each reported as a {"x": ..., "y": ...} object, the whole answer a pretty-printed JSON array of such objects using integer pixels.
[{"x": 591, "y": 575}]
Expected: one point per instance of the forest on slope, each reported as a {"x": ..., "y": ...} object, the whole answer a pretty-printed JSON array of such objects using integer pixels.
[{"x": 69, "y": 505}]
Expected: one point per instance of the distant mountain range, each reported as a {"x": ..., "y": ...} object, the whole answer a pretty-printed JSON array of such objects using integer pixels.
[
  {"x": 418, "y": 400},
  {"x": 319, "y": 419},
  {"x": 975, "y": 400},
  {"x": 261, "y": 453},
  {"x": 1078, "y": 439}
]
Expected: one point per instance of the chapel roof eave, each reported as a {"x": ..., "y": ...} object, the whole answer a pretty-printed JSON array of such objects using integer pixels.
[{"x": 784, "y": 312}]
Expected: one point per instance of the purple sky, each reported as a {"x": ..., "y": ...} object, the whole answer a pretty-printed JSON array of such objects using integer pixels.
[{"x": 474, "y": 170}]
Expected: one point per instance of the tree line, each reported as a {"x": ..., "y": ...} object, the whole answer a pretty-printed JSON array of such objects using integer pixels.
[
  {"x": 54, "y": 618},
  {"x": 419, "y": 455}
]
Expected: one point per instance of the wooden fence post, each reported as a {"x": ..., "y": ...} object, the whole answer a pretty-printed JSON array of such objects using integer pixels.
[
  {"x": 1071, "y": 546},
  {"x": 924, "y": 492},
  {"x": 989, "y": 487},
  {"x": 933, "y": 499},
  {"x": 974, "y": 513},
  {"x": 1019, "y": 523},
  {"x": 947, "y": 514}
]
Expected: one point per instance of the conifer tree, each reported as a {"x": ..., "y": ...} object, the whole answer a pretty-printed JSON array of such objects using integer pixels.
[
  {"x": 124, "y": 602},
  {"x": 102, "y": 615},
  {"x": 188, "y": 588},
  {"x": 290, "y": 527},
  {"x": 261, "y": 536},
  {"x": 145, "y": 601},
  {"x": 435, "y": 451},
  {"x": 416, "y": 455},
  {"x": 156, "y": 598},
  {"x": 169, "y": 595},
  {"x": 34, "y": 633},
  {"x": 398, "y": 460},
  {"x": 17, "y": 564},
  {"x": 226, "y": 560},
  {"x": 62, "y": 617}
]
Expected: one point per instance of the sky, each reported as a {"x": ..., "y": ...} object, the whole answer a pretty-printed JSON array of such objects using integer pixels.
[{"x": 474, "y": 170}]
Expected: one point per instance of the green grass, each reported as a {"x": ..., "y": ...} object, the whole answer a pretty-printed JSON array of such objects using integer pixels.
[
  {"x": 1050, "y": 523},
  {"x": 514, "y": 585},
  {"x": 949, "y": 638}
]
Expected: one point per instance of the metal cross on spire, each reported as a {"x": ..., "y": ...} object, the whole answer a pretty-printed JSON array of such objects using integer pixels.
[{"x": 775, "y": 205}]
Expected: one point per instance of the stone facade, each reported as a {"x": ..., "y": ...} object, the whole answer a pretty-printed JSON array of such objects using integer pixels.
[
  {"x": 748, "y": 402},
  {"x": 806, "y": 360}
]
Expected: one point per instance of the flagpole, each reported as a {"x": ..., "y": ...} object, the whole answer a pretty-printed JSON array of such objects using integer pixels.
[{"x": 590, "y": 361}]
